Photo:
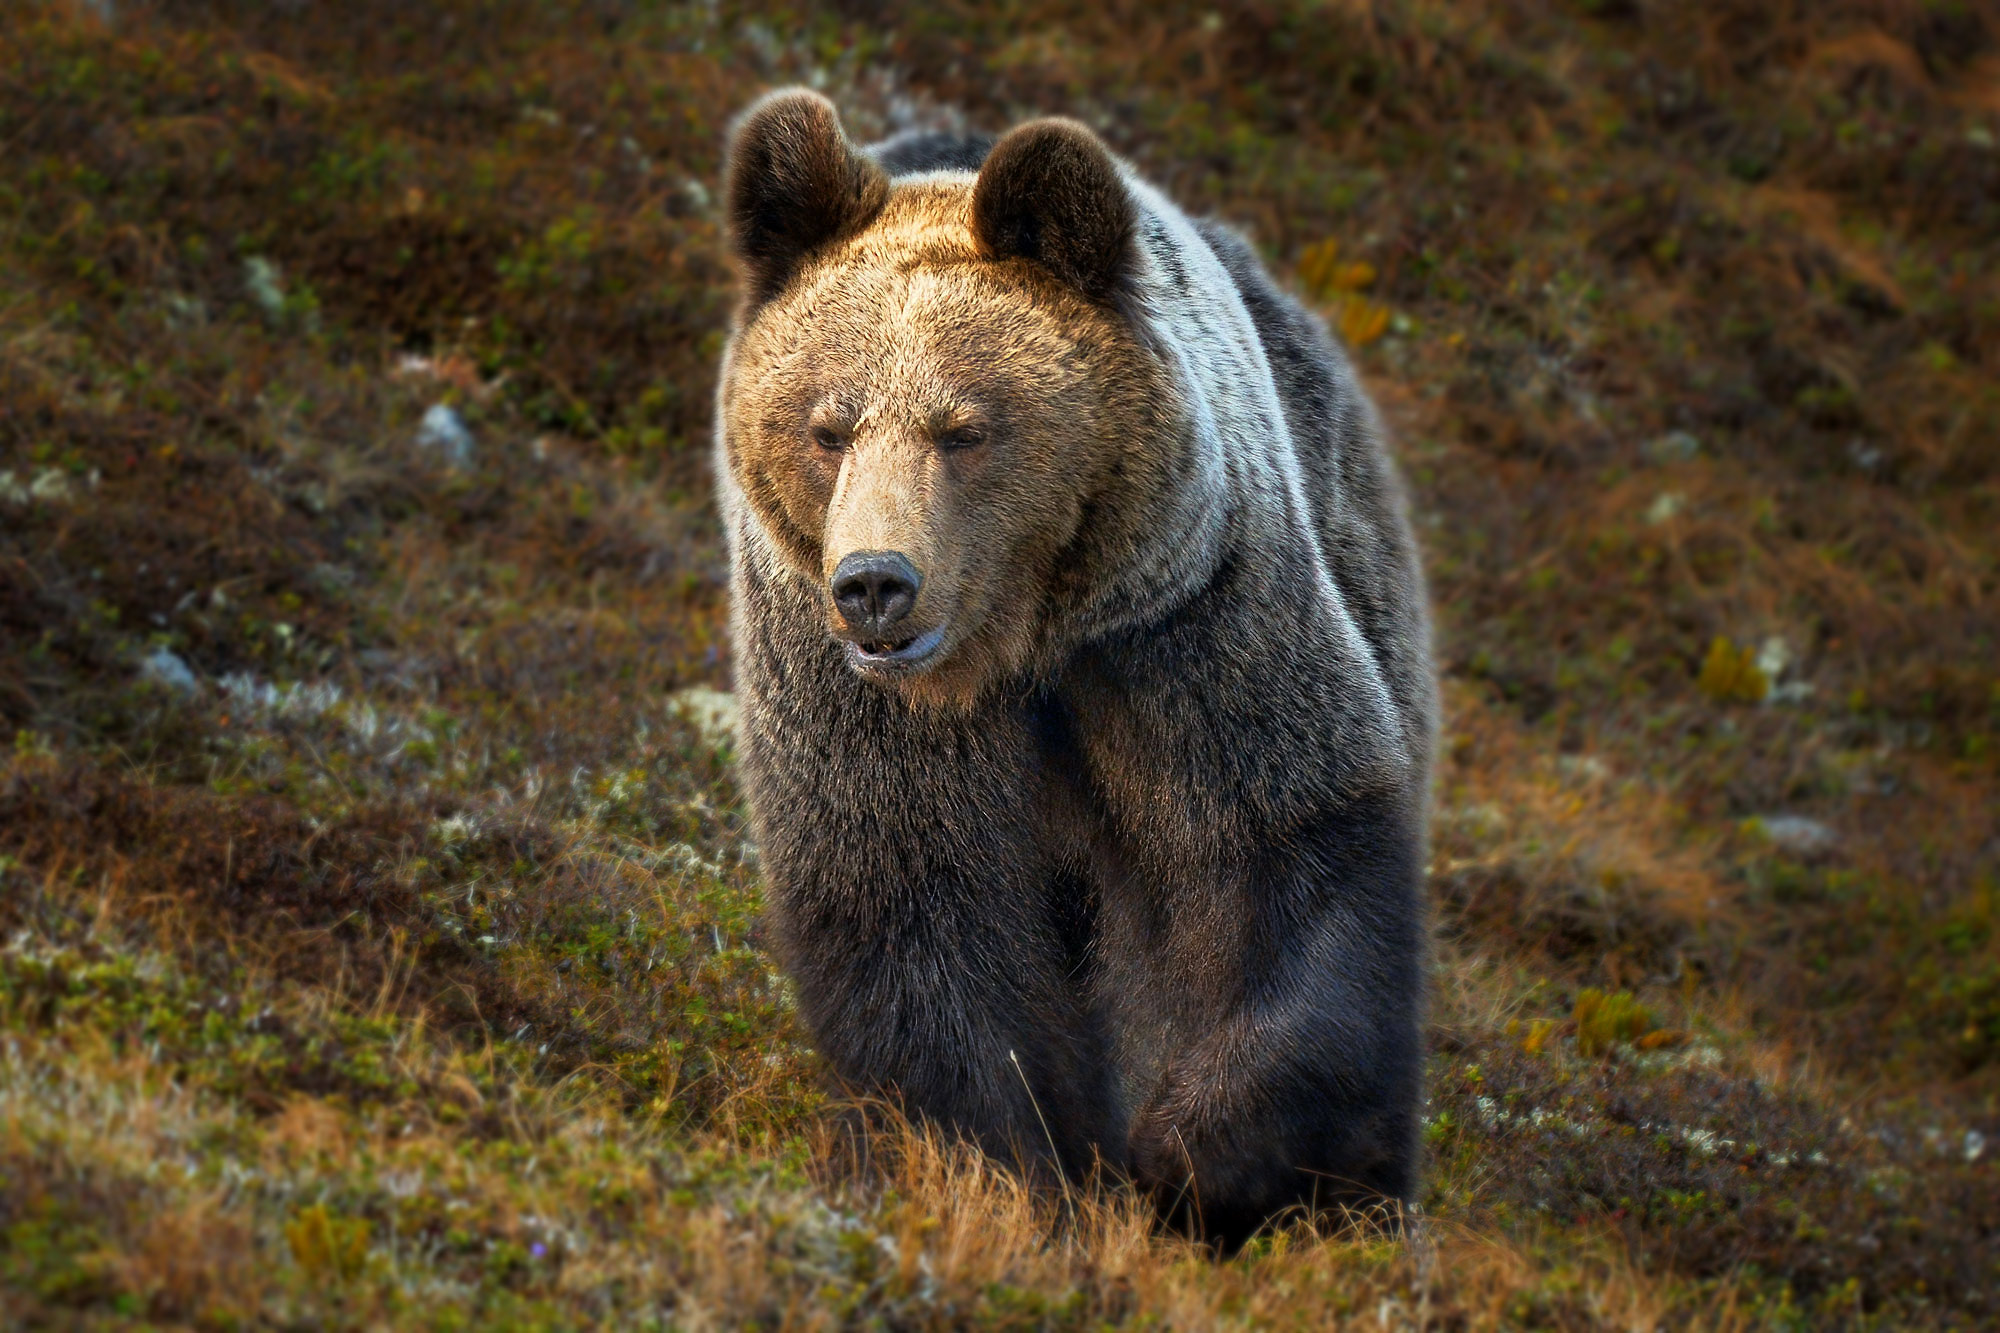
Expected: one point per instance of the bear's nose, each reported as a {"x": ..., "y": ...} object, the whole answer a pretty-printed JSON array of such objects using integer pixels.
[{"x": 875, "y": 589}]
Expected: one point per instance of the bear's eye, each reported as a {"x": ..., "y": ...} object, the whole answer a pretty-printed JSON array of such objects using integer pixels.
[
  {"x": 961, "y": 437},
  {"x": 826, "y": 437}
]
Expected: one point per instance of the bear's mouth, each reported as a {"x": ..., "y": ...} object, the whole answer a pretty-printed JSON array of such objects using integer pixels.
[{"x": 901, "y": 655}]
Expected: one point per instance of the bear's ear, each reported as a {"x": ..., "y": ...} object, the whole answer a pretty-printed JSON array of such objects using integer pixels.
[
  {"x": 793, "y": 185},
  {"x": 1050, "y": 192}
]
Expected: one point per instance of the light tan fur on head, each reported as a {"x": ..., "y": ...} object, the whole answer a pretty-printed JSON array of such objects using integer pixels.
[{"x": 916, "y": 384}]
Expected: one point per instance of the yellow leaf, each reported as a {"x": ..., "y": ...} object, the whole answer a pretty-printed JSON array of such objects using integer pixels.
[
  {"x": 1354, "y": 277},
  {"x": 1362, "y": 321},
  {"x": 1316, "y": 265},
  {"x": 1539, "y": 1032}
]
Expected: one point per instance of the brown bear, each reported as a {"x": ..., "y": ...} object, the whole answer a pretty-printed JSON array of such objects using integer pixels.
[{"x": 1087, "y": 701}]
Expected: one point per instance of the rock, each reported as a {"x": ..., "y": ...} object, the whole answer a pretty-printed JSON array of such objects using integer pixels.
[
  {"x": 48, "y": 486},
  {"x": 164, "y": 667},
  {"x": 711, "y": 711},
  {"x": 1583, "y": 767},
  {"x": 444, "y": 433},
  {"x": 184, "y": 311},
  {"x": 266, "y": 285},
  {"x": 1676, "y": 446},
  {"x": 1665, "y": 506},
  {"x": 1797, "y": 833},
  {"x": 1773, "y": 656},
  {"x": 1774, "y": 659}
]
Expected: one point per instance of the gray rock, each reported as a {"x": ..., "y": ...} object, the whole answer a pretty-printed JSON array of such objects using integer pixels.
[
  {"x": 444, "y": 433},
  {"x": 48, "y": 486},
  {"x": 1797, "y": 833},
  {"x": 164, "y": 667},
  {"x": 266, "y": 285},
  {"x": 1676, "y": 446}
]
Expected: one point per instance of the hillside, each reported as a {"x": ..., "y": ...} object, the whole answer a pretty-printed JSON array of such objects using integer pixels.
[{"x": 379, "y": 935}]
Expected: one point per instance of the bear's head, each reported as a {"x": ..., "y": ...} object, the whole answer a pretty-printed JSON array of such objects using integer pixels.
[{"x": 937, "y": 403}]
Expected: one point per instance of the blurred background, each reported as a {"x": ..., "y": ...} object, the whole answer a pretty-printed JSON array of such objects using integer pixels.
[{"x": 378, "y": 929}]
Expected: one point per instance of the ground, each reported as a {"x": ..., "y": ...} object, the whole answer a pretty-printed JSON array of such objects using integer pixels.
[{"x": 379, "y": 933}]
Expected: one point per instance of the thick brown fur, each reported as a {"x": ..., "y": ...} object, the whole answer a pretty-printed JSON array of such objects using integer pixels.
[{"x": 1128, "y": 869}]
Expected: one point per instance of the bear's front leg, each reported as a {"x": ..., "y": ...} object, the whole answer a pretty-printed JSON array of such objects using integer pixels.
[
  {"x": 934, "y": 982},
  {"x": 933, "y": 940},
  {"x": 1304, "y": 1092}
]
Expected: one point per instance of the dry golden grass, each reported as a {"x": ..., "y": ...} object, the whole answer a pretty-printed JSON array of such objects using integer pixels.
[{"x": 930, "y": 1234}]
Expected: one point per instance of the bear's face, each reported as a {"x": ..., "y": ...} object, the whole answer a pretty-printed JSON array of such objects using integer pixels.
[{"x": 930, "y": 386}]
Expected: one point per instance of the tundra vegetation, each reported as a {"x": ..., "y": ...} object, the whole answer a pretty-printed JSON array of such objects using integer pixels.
[{"x": 378, "y": 933}]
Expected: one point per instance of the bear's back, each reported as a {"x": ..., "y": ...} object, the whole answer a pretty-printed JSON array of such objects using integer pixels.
[
  {"x": 1359, "y": 508},
  {"x": 917, "y": 151}
]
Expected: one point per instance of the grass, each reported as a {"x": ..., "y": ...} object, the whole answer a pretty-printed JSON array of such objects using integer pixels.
[{"x": 379, "y": 934}]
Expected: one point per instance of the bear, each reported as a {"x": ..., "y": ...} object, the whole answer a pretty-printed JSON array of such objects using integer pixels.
[{"x": 1081, "y": 642}]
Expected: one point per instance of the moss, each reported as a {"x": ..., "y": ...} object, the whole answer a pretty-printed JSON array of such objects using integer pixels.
[
  {"x": 1602, "y": 1021},
  {"x": 1730, "y": 674},
  {"x": 327, "y": 1246}
]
